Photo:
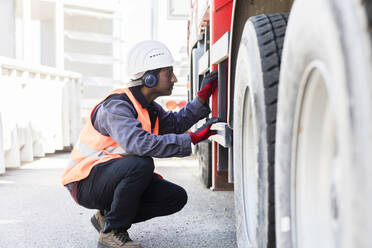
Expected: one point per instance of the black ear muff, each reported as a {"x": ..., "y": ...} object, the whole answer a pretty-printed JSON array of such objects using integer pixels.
[{"x": 149, "y": 79}]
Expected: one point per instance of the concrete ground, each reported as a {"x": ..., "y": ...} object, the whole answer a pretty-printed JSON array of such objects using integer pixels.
[{"x": 36, "y": 211}]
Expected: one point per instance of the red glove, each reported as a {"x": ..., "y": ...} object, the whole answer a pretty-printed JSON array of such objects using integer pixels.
[
  {"x": 204, "y": 131},
  {"x": 208, "y": 85}
]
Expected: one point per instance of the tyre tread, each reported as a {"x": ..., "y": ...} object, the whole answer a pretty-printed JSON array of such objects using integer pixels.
[{"x": 270, "y": 31}]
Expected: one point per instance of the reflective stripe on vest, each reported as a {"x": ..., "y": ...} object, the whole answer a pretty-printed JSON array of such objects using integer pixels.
[
  {"x": 90, "y": 152},
  {"x": 93, "y": 148}
]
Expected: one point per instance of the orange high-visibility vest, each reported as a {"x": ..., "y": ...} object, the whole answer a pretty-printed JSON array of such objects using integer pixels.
[{"x": 93, "y": 148}]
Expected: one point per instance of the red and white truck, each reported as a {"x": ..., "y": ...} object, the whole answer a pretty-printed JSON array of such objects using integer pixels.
[{"x": 295, "y": 95}]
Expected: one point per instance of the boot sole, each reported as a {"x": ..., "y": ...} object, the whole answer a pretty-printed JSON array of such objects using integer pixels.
[
  {"x": 101, "y": 245},
  {"x": 96, "y": 225}
]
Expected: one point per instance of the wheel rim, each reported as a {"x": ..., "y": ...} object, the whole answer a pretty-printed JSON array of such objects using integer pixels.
[
  {"x": 315, "y": 200},
  {"x": 249, "y": 164}
]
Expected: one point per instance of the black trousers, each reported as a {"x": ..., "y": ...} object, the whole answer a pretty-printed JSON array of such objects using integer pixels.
[{"x": 127, "y": 190}]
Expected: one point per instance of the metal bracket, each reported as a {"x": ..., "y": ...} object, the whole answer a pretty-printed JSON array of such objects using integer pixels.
[
  {"x": 224, "y": 134},
  {"x": 204, "y": 63}
]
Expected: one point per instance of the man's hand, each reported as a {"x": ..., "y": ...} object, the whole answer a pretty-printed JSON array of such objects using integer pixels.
[
  {"x": 208, "y": 85},
  {"x": 204, "y": 131}
]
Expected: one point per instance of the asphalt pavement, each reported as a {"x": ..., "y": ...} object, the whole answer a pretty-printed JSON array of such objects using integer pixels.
[{"x": 36, "y": 211}]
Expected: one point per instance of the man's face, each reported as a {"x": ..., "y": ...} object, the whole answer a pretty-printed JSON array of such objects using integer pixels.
[{"x": 165, "y": 82}]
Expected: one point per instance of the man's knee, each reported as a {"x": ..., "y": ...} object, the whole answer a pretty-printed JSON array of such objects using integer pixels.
[
  {"x": 181, "y": 199},
  {"x": 144, "y": 165}
]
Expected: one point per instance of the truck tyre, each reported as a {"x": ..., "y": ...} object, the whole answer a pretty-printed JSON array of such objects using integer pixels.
[
  {"x": 255, "y": 98},
  {"x": 324, "y": 133}
]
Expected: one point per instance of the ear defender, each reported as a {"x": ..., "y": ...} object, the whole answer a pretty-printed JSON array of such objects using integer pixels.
[{"x": 149, "y": 79}]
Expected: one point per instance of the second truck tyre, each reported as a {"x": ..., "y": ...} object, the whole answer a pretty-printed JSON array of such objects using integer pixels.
[{"x": 255, "y": 97}]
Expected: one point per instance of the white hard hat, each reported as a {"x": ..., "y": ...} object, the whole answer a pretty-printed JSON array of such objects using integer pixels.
[{"x": 148, "y": 55}]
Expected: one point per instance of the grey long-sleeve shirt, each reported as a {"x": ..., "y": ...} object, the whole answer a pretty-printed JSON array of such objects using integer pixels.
[{"x": 116, "y": 117}]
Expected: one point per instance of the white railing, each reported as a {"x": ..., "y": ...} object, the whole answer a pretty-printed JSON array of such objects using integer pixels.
[{"x": 39, "y": 111}]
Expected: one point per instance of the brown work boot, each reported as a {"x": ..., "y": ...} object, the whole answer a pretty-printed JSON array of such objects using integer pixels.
[
  {"x": 98, "y": 221},
  {"x": 116, "y": 239}
]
